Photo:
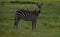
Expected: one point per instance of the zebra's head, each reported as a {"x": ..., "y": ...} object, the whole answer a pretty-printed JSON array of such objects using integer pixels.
[
  {"x": 38, "y": 10},
  {"x": 39, "y": 5}
]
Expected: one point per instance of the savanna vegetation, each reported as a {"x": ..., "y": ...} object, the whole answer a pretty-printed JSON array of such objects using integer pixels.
[{"x": 48, "y": 22}]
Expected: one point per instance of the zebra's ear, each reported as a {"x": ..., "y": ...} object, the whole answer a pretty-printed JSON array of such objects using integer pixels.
[
  {"x": 36, "y": 3},
  {"x": 41, "y": 3}
]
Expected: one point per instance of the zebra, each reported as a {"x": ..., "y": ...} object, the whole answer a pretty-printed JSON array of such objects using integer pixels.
[{"x": 27, "y": 15}]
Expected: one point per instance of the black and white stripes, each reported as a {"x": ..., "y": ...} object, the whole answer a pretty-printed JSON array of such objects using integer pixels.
[
  {"x": 28, "y": 15},
  {"x": 20, "y": 13}
]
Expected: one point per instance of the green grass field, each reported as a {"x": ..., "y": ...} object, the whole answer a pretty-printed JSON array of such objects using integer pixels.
[{"x": 48, "y": 22}]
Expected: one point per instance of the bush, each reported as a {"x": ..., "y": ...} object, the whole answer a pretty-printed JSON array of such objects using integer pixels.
[
  {"x": 22, "y": 2},
  {"x": 2, "y": 3}
]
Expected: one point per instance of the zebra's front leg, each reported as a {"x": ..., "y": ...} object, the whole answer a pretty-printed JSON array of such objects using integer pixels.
[
  {"x": 33, "y": 25},
  {"x": 17, "y": 19}
]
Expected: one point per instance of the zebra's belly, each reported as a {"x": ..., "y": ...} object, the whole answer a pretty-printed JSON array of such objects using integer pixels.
[{"x": 29, "y": 18}]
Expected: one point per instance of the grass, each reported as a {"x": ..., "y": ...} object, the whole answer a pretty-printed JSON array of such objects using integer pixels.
[{"x": 48, "y": 22}]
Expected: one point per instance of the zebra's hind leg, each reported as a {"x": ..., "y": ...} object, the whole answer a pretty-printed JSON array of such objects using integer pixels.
[{"x": 17, "y": 19}]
